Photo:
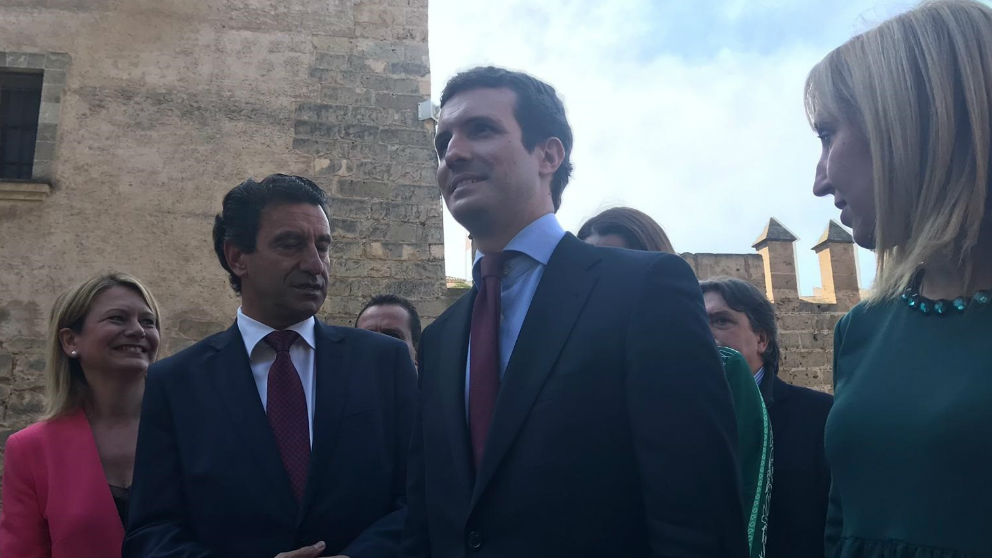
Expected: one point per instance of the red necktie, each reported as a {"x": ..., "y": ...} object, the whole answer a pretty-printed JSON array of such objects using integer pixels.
[
  {"x": 484, "y": 365},
  {"x": 286, "y": 408}
]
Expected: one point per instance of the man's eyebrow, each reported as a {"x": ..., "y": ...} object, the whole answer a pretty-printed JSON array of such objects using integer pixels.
[{"x": 483, "y": 118}]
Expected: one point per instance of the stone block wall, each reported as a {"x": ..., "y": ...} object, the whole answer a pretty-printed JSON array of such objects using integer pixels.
[{"x": 162, "y": 106}]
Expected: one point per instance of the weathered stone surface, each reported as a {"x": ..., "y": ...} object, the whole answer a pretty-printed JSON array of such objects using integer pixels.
[{"x": 141, "y": 139}]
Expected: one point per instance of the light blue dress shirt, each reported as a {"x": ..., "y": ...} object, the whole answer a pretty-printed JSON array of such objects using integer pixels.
[{"x": 534, "y": 245}]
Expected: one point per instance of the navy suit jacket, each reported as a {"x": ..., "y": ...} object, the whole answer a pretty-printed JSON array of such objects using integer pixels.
[
  {"x": 613, "y": 433},
  {"x": 801, "y": 478},
  {"x": 208, "y": 479}
]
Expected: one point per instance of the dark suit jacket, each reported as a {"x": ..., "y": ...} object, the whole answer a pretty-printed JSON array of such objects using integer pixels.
[
  {"x": 208, "y": 479},
  {"x": 613, "y": 433},
  {"x": 801, "y": 478}
]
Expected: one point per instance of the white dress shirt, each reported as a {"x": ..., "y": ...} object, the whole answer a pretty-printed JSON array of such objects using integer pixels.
[{"x": 261, "y": 356}]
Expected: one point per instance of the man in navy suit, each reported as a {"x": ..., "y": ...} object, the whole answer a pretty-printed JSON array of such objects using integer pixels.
[
  {"x": 573, "y": 403},
  {"x": 281, "y": 434},
  {"x": 742, "y": 318}
]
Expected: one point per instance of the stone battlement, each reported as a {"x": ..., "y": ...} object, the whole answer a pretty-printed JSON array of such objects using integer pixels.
[{"x": 805, "y": 324}]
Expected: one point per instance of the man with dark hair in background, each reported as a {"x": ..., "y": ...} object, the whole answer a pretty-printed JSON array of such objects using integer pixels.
[
  {"x": 742, "y": 318},
  {"x": 394, "y": 316},
  {"x": 573, "y": 403},
  {"x": 281, "y": 434}
]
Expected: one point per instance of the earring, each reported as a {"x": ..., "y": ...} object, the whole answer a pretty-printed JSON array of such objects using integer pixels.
[{"x": 73, "y": 353}]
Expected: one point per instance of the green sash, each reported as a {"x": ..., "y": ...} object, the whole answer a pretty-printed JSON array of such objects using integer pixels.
[{"x": 754, "y": 447}]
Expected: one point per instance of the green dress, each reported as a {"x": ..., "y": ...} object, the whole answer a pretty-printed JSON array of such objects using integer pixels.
[
  {"x": 909, "y": 437},
  {"x": 754, "y": 448}
]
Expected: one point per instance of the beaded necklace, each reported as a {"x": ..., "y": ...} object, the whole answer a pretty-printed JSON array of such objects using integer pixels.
[{"x": 942, "y": 307}]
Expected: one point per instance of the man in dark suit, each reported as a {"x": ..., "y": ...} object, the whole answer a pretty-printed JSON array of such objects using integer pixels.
[
  {"x": 281, "y": 434},
  {"x": 742, "y": 318},
  {"x": 573, "y": 403}
]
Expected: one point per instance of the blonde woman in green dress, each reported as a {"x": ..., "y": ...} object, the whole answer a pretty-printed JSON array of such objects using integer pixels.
[{"x": 904, "y": 114}]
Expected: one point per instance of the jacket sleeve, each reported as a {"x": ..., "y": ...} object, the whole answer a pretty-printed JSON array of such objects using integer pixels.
[
  {"x": 682, "y": 419},
  {"x": 157, "y": 521},
  {"x": 23, "y": 528},
  {"x": 416, "y": 542},
  {"x": 383, "y": 537}
]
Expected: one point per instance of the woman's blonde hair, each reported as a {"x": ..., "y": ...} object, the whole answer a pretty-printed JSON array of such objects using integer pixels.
[
  {"x": 66, "y": 386},
  {"x": 920, "y": 88}
]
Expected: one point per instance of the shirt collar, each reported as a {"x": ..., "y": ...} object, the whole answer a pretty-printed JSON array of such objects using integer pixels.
[
  {"x": 253, "y": 331},
  {"x": 537, "y": 240},
  {"x": 759, "y": 375}
]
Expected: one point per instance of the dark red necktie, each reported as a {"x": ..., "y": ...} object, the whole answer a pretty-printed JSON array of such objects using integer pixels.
[
  {"x": 484, "y": 365},
  {"x": 286, "y": 407}
]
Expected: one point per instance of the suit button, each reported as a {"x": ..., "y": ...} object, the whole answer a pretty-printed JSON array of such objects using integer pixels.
[{"x": 474, "y": 540}]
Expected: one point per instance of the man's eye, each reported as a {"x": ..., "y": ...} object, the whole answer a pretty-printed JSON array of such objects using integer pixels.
[{"x": 482, "y": 128}]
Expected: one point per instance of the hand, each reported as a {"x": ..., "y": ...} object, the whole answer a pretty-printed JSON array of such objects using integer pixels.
[{"x": 309, "y": 551}]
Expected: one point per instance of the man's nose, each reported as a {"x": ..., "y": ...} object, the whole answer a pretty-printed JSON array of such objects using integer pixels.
[
  {"x": 314, "y": 261},
  {"x": 457, "y": 150}
]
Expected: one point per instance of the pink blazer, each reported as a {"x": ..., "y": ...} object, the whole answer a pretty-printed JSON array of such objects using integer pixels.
[{"x": 56, "y": 501}]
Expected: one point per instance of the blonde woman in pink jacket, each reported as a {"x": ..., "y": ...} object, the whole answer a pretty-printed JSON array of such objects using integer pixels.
[{"x": 66, "y": 478}]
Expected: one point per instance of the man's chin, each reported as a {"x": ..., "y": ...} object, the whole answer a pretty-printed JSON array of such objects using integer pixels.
[
  {"x": 303, "y": 309},
  {"x": 475, "y": 219}
]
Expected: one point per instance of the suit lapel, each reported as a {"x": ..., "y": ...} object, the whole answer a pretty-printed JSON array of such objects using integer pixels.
[
  {"x": 454, "y": 333},
  {"x": 560, "y": 297},
  {"x": 78, "y": 442},
  {"x": 332, "y": 366},
  {"x": 233, "y": 379},
  {"x": 769, "y": 389}
]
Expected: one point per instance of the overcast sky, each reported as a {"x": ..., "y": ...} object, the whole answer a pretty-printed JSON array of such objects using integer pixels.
[{"x": 689, "y": 111}]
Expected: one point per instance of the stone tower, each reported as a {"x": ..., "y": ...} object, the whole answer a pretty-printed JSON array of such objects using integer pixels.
[{"x": 774, "y": 245}]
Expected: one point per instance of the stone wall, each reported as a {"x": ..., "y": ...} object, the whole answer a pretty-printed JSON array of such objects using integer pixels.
[{"x": 158, "y": 107}]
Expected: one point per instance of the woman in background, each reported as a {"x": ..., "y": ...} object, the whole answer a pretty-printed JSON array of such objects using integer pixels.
[
  {"x": 66, "y": 478},
  {"x": 904, "y": 115},
  {"x": 626, "y": 227}
]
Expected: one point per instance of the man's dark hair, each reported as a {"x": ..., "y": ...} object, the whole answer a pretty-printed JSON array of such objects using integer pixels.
[
  {"x": 747, "y": 299},
  {"x": 539, "y": 112},
  {"x": 396, "y": 300},
  {"x": 242, "y": 210}
]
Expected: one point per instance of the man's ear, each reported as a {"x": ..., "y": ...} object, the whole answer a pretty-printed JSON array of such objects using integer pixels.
[
  {"x": 552, "y": 155},
  {"x": 236, "y": 258},
  {"x": 762, "y": 342}
]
